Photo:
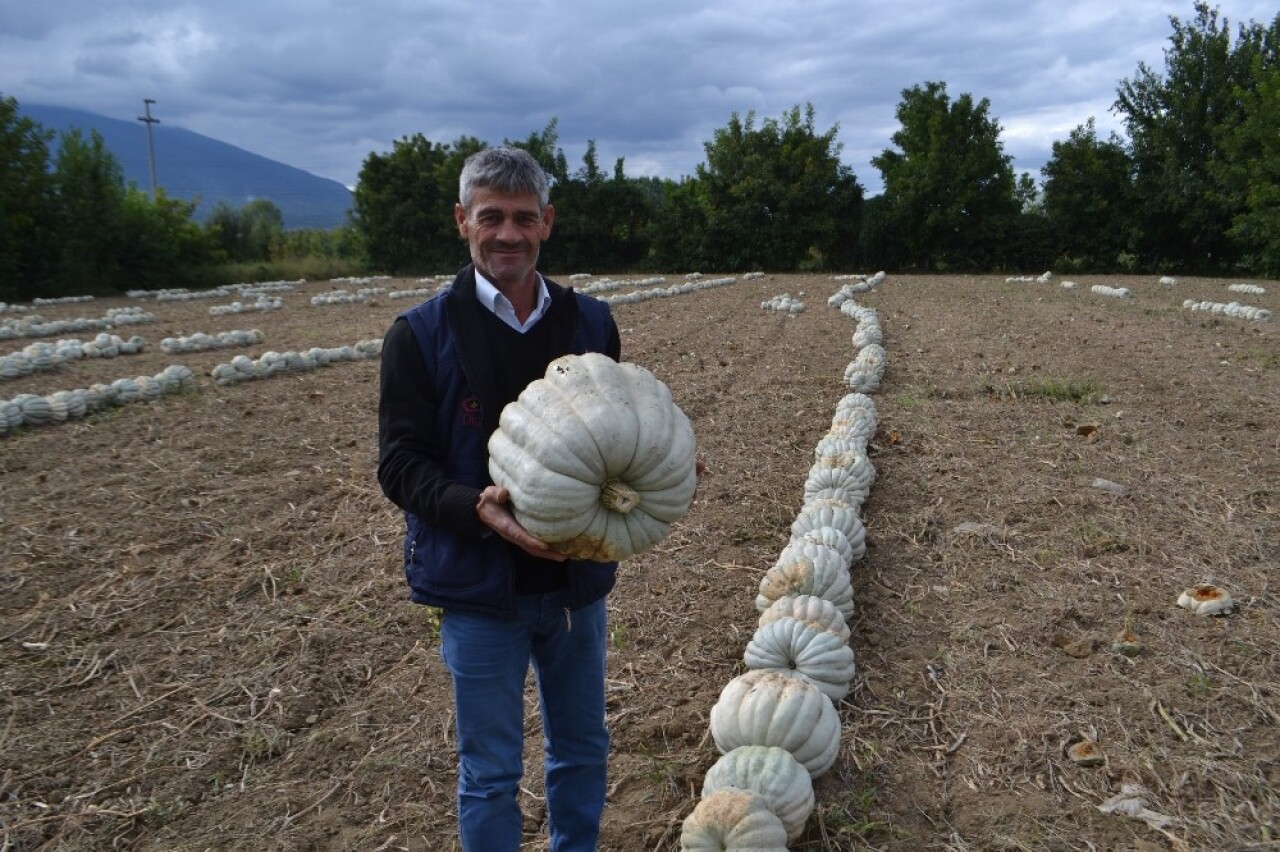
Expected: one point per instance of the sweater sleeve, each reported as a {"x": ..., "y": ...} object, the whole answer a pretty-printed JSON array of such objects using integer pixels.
[
  {"x": 614, "y": 348},
  {"x": 409, "y": 449}
]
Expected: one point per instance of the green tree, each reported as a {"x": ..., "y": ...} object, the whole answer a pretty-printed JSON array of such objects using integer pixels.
[
  {"x": 159, "y": 242},
  {"x": 545, "y": 149},
  {"x": 264, "y": 228},
  {"x": 1180, "y": 127},
  {"x": 880, "y": 243},
  {"x": 1249, "y": 169},
  {"x": 601, "y": 221},
  {"x": 949, "y": 189},
  {"x": 222, "y": 228},
  {"x": 1028, "y": 194},
  {"x": 777, "y": 196},
  {"x": 404, "y": 214},
  {"x": 341, "y": 243},
  {"x": 676, "y": 235},
  {"x": 1089, "y": 199},
  {"x": 250, "y": 234},
  {"x": 26, "y": 204},
  {"x": 89, "y": 190}
]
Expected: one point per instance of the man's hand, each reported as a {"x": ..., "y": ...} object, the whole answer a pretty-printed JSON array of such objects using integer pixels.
[{"x": 495, "y": 513}]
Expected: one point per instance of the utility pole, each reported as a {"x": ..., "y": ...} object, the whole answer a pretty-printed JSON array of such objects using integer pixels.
[{"x": 151, "y": 151}]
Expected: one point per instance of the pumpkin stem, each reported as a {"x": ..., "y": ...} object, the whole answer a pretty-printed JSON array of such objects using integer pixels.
[{"x": 617, "y": 496}]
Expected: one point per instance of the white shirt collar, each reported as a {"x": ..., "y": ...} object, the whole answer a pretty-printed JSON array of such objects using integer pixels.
[{"x": 491, "y": 297}]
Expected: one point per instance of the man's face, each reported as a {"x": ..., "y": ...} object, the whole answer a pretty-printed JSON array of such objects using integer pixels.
[{"x": 504, "y": 232}]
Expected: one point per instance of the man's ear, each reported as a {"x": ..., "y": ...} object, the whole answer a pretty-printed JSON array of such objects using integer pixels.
[
  {"x": 548, "y": 216},
  {"x": 460, "y": 216}
]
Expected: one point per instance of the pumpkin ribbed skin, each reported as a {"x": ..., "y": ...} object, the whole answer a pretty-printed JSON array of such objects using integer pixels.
[
  {"x": 831, "y": 537},
  {"x": 853, "y": 479},
  {"x": 769, "y": 709},
  {"x": 854, "y": 400},
  {"x": 806, "y": 568},
  {"x": 35, "y": 409},
  {"x": 813, "y": 551},
  {"x": 733, "y": 820},
  {"x": 57, "y": 408},
  {"x": 836, "y": 451},
  {"x": 796, "y": 648},
  {"x": 811, "y": 609},
  {"x": 773, "y": 774},
  {"x": 597, "y": 458},
  {"x": 853, "y": 424},
  {"x": 867, "y": 333},
  {"x": 817, "y": 513},
  {"x": 866, "y": 370}
]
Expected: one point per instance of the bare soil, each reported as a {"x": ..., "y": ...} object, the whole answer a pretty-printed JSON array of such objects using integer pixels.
[{"x": 205, "y": 641}]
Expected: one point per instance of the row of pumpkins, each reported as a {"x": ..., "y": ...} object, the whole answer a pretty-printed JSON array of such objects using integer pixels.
[
  {"x": 262, "y": 303},
  {"x": 43, "y": 356},
  {"x": 693, "y": 281},
  {"x": 867, "y": 368},
  {"x": 1113, "y": 292},
  {"x": 29, "y": 409},
  {"x": 776, "y": 726},
  {"x": 783, "y": 303},
  {"x": 1251, "y": 289},
  {"x": 1230, "y": 309},
  {"x": 40, "y": 301},
  {"x": 854, "y": 284},
  {"x": 346, "y": 297},
  {"x": 692, "y": 285},
  {"x": 182, "y": 294},
  {"x": 605, "y": 285},
  {"x": 203, "y": 342},
  {"x": 34, "y": 325},
  {"x": 242, "y": 368}
]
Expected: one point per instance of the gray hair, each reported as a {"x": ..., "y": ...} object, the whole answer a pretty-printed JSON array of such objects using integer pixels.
[{"x": 511, "y": 171}]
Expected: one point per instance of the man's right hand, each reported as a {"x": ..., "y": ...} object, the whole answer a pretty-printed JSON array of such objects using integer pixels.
[{"x": 494, "y": 510}]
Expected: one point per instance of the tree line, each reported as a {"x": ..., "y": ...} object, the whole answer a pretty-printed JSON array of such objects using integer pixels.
[
  {"x": 70, "y": 225},
  {"x": 1192, "y": 187}
]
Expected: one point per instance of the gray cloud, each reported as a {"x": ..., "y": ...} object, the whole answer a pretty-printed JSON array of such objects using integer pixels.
[{"x": 319, "y": 84}]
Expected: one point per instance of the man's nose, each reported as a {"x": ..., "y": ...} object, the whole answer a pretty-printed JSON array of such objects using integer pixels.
[{"x": 509, "y": 231}]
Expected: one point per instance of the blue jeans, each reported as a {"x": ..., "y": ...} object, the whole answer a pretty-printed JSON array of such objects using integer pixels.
[{"x": 488, "y": 658}]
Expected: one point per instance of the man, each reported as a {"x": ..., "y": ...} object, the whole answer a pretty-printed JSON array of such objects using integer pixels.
[{"x": 448, "y": 368}]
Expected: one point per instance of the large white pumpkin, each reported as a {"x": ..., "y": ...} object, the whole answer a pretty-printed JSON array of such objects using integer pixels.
[
  {"x": 833, "y": 538},
  {"x": 808, "y": 568},
  {"x": 819, "y": 612},
  {"x": 598, "y": 459},
  {"x": 769, "y": 709},
  {"x": 772, "y": 773},
  {"x": 805, "y": 649},
  {"x": 836, "y": 451},
  {"x": 733, "y": 820},
  {"x": 851, "y": 482},
  {"x": 816, "y": 514}
]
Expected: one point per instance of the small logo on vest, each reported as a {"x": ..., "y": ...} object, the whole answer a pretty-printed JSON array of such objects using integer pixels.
[{"x": 471, "y": 412}]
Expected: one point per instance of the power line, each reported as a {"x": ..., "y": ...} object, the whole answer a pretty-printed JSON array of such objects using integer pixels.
[{"x": 151, "y": 151}]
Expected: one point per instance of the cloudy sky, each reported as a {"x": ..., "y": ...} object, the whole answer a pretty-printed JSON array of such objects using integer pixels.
[{"x": 320, "y": 84}]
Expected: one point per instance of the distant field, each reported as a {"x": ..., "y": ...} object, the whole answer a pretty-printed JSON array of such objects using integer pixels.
[{"x": 207, "y": 642}]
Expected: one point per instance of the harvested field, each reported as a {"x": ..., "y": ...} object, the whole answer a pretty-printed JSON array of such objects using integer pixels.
[{"x": 206, "y": 642}]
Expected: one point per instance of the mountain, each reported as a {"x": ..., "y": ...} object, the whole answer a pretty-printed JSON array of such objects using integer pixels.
[{"x": 200, "y": 169}]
